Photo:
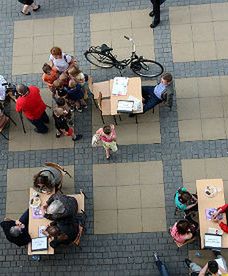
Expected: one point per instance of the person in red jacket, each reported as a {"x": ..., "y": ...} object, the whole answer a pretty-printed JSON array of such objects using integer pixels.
[
  {"x": 33, "y": 107},
  {"x": 215, "y": 218}
]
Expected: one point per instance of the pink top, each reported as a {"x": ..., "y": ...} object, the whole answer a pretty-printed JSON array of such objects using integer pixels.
[
  {"x": 178, "y": 237},
  {"x": 107, "y": 138}
]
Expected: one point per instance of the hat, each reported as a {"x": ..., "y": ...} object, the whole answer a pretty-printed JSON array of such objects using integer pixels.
[{"x": 56, "y": 207}]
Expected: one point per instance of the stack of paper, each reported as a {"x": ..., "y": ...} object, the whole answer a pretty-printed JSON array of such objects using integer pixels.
[
  {"x": 137, "y": 103},
  {"x": 120, "y": 86}
]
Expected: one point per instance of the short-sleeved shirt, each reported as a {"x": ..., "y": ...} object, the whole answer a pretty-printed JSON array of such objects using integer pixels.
[
  {"x": 49, "y": 79},
  {"x": 76, "y": 93},
  {"x": 178, "y": 204},
  {"x": 31, "y": 104},
  {"x": 61, "y": 64}
]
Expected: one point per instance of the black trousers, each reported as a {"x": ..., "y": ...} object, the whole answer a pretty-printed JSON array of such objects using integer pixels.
[{"x": 156, "y": 8}]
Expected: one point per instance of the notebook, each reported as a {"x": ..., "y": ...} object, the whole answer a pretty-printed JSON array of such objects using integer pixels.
[
  {"x": 125, "y": 106},
  {"x": 212, "y": 240},
  {"x": 39, "y": 244}
]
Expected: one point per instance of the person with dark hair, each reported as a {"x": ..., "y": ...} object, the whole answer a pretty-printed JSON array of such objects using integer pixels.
[
  {"x": 33, "y": 107},
  {"x": 27, "y": 5},
  {"x": 49, "y": 76},
  {"x": 186, "y": 201},
  {"x": 217, "y": 219},
  {"x": 183, "y": 230},
  {"x": 47, "y": 179},
  {"x": 17, "y": 231},
  {"x": 153, "y": 95},
  {"x": 211, "y": 268},
  {"x": 107, "y": 135},
  {"x": 155, "y": 12}
]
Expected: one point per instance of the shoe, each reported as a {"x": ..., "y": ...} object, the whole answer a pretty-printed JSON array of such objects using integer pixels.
[
  {"x": 151, "y": 14},
  {"x": 58, "y": 135},
  {"x": 79, "y": 109},
  {"x": 85, "y": 106},
  {"x": 188, "y": 262},
  {"x": 78, "y": 137},
  {"x": 154, "y": 24},
  {"x": 72, "y": 109},
  {"x": 108, "y": 157},
  {"x": 29, "y": 13},
  {"x": 38, "y": 7},
  {"x": 156, "y": 258}
]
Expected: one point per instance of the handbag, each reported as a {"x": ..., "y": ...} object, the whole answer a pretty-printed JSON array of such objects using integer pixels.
[{"x": 95, "y": 140}]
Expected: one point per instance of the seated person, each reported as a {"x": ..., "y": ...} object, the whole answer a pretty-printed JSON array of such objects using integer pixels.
[
  {"x": 17, "y": 231},
  {"x": 215, "y": 217},
  {"x": 154, "y": 95},
  {"x": 185, "y": 201},
  {"x": 62, "y": 232},
  {"x": 47, "y": 179},
  {"x": 50, "y": 75},
  {"x": 75, "y": 96},
  {"x": 61, "y": 123},
  {"x": 60, "y": 206},
  {"x": 211, "y": 268},
  {"x": 183, "y": 231}
]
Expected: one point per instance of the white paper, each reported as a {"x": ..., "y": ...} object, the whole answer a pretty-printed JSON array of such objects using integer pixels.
[
  {"x": 221, "y": 264},
  {"x": 125, "y": 106},
  {"x": 120, "y": 86},
  {"x": 137, "y": 103},
  {"x": 39, "y": 243},
  {"x": 40, "y": 231},
  {"x": 213, "y": 241}
]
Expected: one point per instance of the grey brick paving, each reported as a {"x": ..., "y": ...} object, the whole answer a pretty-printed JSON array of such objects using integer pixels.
[{"x": 125, "y": 254}]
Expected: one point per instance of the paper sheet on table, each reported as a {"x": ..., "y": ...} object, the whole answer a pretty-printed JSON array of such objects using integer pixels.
[
  {"x": 120, "y": 86},
  {"x": 220, "y": 263},
  {"x": 137, "y": 103}
]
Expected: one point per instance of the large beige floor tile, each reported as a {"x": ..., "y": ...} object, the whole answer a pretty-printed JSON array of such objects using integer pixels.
[
  {"x": 117, "y": 37},
  {"x": 128, "y": 197},
  {"x": 105, "y": 198},
  {"x": 100, "y": 37},
  {"x": 193, "y": 169},
  {"x": 42, "y": 45},
  {"x": 209, "y": 86},
  {"x": 221, "y": 30},
  {"x": 181, "y": 33},
  {"x": 143, "y": 36},
  {"x": 22, "y": 46},
  {"x": 200, "y": 13},
  {"x": 211, "y": 107},
  {"x": 225, "y": 186},
  {"x": 152, "y": 196},
  {"x": 123, "y": 53},
  {"x": 140, "y": 18},
  {"x": 20, "y": 69},
  {"x": 15, "y": 181},
  {"x": 22, "y": 60},
  {"x": 127, "y": 174},
  {"x": 17, "y": 202},
  {"x": 100, "y": 22},
  {"x": 188, "y": 109},
  {"x": 151, "y": 173},
  {"x": 150, "y": 215},
  {"x": 203, "y": 31},
  {"x": 120, "y": 20},
  {"x": 44, "y": 27},
  {"x": 149, "y": 133},
  {"x": 186, "y": 88},
  {"x": 23, "y": 28},
  {"x": 217, "y": 168},
  {"x": 149, "y": 116},
  {"x": 176, "y": 15},
  {"x": 129, "y": 221},
  {"x": 224, "y": 84},
  {"x": 146, "y": 51},
  {"x": 104, "y": 171},
  {"x": 205, "y": 50},
  {"x": 191, "y": 186},
  {"x": 190, "y": 130},
  {"x": 65, "y": 42},
  {"x": 219, "y": 11},
  {"x": 127, "y": 134},
  {"x": 183, "y": 52},
  {"x": 221, "y": 47},
  {"x": 105, "y": 222},
  {"x": 213, "y": 129},
  {"x": 63, "y": 25}
]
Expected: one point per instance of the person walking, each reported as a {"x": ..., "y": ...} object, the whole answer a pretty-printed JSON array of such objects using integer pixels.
[
  {"x": 155, "y": 12},
  {"x": 27, "y": 5},
  {"x": 33, "y": 107}
]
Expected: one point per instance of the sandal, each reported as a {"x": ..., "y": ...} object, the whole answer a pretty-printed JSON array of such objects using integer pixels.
[
  {"x": 29, "y": 13},
  {"x": 36, "y": 9}
]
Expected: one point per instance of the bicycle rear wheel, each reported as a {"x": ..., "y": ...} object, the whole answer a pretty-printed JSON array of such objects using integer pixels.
[
  {"x": 99, "y": 59},
  {"x": 147, "y": 68}
]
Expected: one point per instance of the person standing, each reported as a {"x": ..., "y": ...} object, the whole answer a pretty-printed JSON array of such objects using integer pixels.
[
  {"x": 27, "y": 5},
  {"x": 33, "y": 107},
  {"x": 155, "y": 12}
]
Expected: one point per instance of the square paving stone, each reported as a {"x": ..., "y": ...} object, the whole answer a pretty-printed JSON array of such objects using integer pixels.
[
  {"x": 100, "y": 22},
  {"x": 181, "y": 33},
  {"x": 221, "y": 49},
  {"x": 200, "y": 13},
  {"x": 151, "y": 173},
  {"x": 176, "y": 15},
  {"x": 213, "y": 129},
  {"x": 65, "y": 25},
  {"x": 149, "y": 133},
  {"x": 128, "y": 197},
  {"x": 223, "y": 84},
  {"x": 140, "y": 18},
  {"x": 43, "y": 27},
  {"x": 186, "y": 88},
  {"x": 127, "y": 174},
  {"x": 193, "y": 169},
  {"x": 217, "y": 168},
  {"x": 219, "y": 11},
  {"x": 205, "y": 50},
  {"x": 152, "y": 196},
  {"x": 104, "y": 175},
  {"x": 221, "y": 30},
  {"x": 127, "y": 134},
  {"x": 129, "y": 221},
  {"x": 211, "y": 107},
  {"x": 203, "y": 32},
  {"x": 100, "y": 37},
  {"x": 183, "y": 52},
  {"x": 105, "y": 198},
  {"x": 105, "y": 222},
  {"x": 154, "y": 219},
  {"x": 213, "y": 84},
  {"x": 120, "y": 20},
  {"x": 190, "y": 130},
  {"x": 21, "y": 26},
  {"x": 17, "y": 202},
  {"x": 188, "y": 109}
]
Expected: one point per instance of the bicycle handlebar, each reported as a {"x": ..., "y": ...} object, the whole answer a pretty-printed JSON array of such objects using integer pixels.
[{"x": 132, "y": 41}]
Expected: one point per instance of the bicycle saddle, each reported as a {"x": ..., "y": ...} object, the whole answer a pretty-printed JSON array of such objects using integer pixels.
[{"x": 105, "y": 48}]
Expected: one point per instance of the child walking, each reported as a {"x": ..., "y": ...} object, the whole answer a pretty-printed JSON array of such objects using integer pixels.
[{"x": 107, "y": 135}]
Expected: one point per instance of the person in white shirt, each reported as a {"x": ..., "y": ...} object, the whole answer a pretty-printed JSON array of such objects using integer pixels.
[{"x": 60, "y": 60}]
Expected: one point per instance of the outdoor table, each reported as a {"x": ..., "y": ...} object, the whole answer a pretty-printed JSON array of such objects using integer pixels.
[
  {"x": 34, "y": 224},
  {"x": 205, "y": 202},
  {"x": 134, "y": 89}
]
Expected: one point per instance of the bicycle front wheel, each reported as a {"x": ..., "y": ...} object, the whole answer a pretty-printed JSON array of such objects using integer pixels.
[
  {"x": 147, "y": 68},
  {"x": 99, "y": 59}
]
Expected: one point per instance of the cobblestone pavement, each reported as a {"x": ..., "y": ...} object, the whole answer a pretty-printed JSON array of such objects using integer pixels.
[{"x": 109, "y": 254}]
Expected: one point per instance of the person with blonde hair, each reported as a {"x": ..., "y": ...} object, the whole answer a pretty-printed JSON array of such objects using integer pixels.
[{"x": 75, "y": 96}]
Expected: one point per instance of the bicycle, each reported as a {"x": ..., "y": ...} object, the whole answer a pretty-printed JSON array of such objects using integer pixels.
[{"x": 102, "y": 56}]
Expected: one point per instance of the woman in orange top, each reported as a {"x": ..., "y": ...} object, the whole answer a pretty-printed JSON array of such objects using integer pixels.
[{"x": 50, "y": 75}]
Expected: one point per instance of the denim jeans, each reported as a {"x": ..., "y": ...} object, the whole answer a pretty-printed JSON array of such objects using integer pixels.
[
  {"x": 40, "y": 123},
  {"x": 150, "y": 99},
  {"x": 162, "y": 268}
]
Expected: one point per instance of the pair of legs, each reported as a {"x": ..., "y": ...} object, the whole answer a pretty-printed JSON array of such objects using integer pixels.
[
  {"x": 161, "y": 266},
  {"x": 40, "y": 123},
  {"x": 69, "y": 132},
  {"x": 150, "y": 99},
  {"x": 29, "y": 4},
  {"x": 80, "y": 104},
  {"x": 109, "y": 147}
]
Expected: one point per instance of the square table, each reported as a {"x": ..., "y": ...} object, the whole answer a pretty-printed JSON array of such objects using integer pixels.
[
  {"x": 134, "y": 89},
  {"x": 205, "y": 202}
]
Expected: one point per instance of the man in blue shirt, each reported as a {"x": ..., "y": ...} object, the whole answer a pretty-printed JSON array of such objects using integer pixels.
[
  {"x": 153, "y": 95},
  {"x": 155, "y": 12}
]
